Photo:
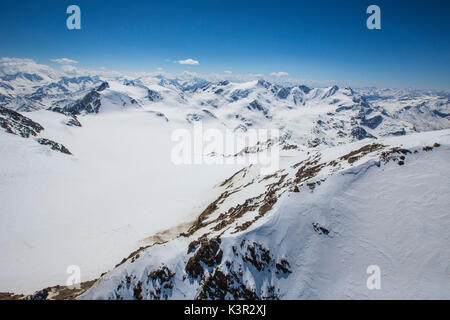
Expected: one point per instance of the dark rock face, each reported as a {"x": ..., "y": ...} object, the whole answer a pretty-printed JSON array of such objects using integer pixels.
[
  {"x": 211, "y": 275},
  {"x": 240, "y": 127},
  {"x": 283, "y": 266},
  {"x": 399, "y": 133},
  {"x": 160, "y": 115},
  {"x": 162, "y": 283},
  {"x": 209, "y": 114},
  {"x": 15, "y": 123},
  {"x": 40, "y": 295},
  {"x": 4, "y": 98},
  {"x": 42, "y": 92},
  {"x": 154, "y": 96},
  {"x": 73, "y": 120},
  {"x": 255, "y": 105},
  {"x": 305, "y": 89},
  {"x": 78, "y": 80},
  {"x": 61, "y": 88},
  {"x": 361, "y": 101},
  {"x": 193, "y": 117},
  {"x": 441, "y": 114},
  {"x": 103, "y": 86},
  {"x": 220, "y": 285},
  {"x": 258, "y": 256},
  {"x": 91, "y": 102},
  {"x": 264, "y": 84},
  {"x": 372, "y": 123},
  {"x": 239, "y": 94},
  {"x": 54, "y": 145},
  {"x": 330, "y": 92},
  {"x": 320, "y": 229},
  {"x": 360, "y": 133},
  {"x": 6, "y": 86},
  {"x": 344, "y": 108},
  {"x": 283, "y": 93},
  {"x": 209, "y": 254},
  {"x": 228, "y": 281},
  {"x": 15, "y": 128}
]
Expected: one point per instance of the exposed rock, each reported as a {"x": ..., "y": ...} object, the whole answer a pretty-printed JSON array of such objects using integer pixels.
[
  {"x": 154, "y": 96},
  {"x": 401, "y": 132},
  {"x": 283, "y": 93},
  {"x": 320, "y": 229},
  {"x": 220, "y": 286},
  {"x": 283, "y": 266},
  {"x": 330, "y": 92},
  {"x": 15, "y": 123},
  {"x": 90, "y": 103},
  {"x": 103, "y": 86},
  {"x": 355, "y": 155},
  {"x": 239, "y": 94},
  {"x": 209, "y": 254},
  {"x": 360, "y": 133},
  {"x": 73, "y": 122},
  {"x": 372, "y": 123},
  {"x": 258, "y": 256},
  {"x": 54, "y": 145},
  {"x": 73, "y": 119},
  {"x": 10, "y": 296},
  {"x": 255, "y": 105},
  {"x": 193, "y": 117}
]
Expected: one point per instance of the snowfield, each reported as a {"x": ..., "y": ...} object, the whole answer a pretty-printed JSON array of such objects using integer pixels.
[
  {"x": 93, "y": 208},
  {"x": 392, "y": 216},
  {"x": 87, "y": 178}
]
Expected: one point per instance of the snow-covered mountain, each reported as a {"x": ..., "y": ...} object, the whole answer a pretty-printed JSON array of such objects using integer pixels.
[
  {"x": 87, "y": 178},
  {"x": 309, "y": 231},
  {"x": 305, "y": 115}
]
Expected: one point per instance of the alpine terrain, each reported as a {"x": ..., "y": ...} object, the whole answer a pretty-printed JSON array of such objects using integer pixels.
[{"x": 88, "y": 179}]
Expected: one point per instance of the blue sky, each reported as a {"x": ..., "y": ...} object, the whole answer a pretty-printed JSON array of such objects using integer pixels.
[{"x": 316, "y": 40}]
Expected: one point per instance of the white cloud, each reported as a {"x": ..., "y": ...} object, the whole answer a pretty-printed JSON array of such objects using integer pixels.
[
  {"x": 190, "y": 73},
  {"x": 279, "y": 74},
  {"x": 69, "y": 69},
  {"x": 228, "y": 72},
  {"x": 191, "y": 62},
  {"x": 64, "y": 61},
  {"x": 14, "y": 65}
]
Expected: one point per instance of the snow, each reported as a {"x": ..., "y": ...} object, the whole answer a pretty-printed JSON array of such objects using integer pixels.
[
  {"x": 394, "y": 217},
  {"x": 120, "y": 190},
  {"x": 94, "y": 208}
]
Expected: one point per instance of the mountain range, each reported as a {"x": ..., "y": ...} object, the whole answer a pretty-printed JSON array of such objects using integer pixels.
[{"x": 87, "y": 179}]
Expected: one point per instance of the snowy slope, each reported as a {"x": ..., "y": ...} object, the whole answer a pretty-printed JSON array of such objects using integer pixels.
[
  {"x": 374, "y": 206},
  {"x": 86, "y": 178},
  {"x": 96, "y": 206}
]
